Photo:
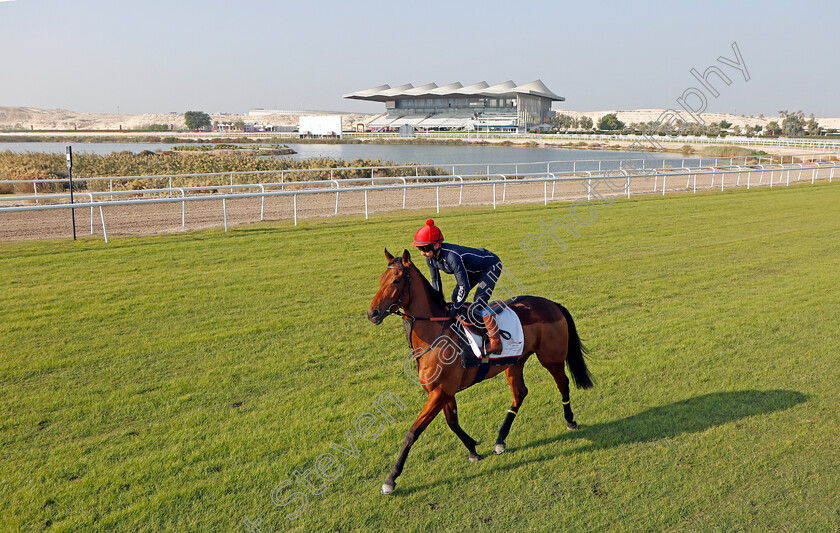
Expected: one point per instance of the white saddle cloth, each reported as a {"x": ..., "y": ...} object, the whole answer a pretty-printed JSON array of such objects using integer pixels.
[{"x": 508, "y": 321}]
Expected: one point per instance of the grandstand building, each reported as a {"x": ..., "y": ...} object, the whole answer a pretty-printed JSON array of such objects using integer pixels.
[{"x": 479, "y": 107}]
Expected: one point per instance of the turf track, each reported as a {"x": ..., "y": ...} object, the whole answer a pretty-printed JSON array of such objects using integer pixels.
[{"x": 171, "y": 383}]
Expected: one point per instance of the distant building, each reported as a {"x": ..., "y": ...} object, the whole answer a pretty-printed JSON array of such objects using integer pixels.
[
  {"x": 478, "y": 107},
  {"x": 319, "y": 127}
]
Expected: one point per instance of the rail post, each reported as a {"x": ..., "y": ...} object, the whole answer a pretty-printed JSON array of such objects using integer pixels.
[
  {"x": 626, "y": 182},
  {"x": 224, "y": 212},
  {"x": 91, "y": 213},
  {"x": 102, "y": 217},
  {"x": 183, "y": 208},
  {"x": 70, "y": 177}
]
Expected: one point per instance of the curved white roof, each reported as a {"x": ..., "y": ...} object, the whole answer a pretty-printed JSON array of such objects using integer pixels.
[
  {"x": 385, "y": 92},
  {"x": 447, "y": 89},
  {"x": 502, "y": 88},
  {"x": 475, "y": 88},
  {"x": 422, "y": 90},
  {"x": 396, "y": 91},
  {"x": 538, "y": 88}
]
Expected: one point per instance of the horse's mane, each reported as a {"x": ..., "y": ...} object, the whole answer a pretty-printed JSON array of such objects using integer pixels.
[{"x": 436, "y": 297}]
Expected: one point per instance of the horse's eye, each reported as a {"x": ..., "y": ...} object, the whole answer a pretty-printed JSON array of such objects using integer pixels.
[{"x": 397, "y": 281}]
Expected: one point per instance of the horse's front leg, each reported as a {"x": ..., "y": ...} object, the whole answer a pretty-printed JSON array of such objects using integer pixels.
[
  {"x": 437, "y": 400},
  {"x": 450, "y": 411}
]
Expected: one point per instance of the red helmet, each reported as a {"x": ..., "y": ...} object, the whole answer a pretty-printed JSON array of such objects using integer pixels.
[{"x": 428, "y": 234}]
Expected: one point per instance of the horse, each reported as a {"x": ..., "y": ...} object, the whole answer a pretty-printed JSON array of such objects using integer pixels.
[{"x": 548, "y": 329}]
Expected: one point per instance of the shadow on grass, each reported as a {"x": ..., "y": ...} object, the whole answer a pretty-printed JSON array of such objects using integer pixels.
[
  {"x": 688, "y": 416},
  {"x": 666, "y": 421}
]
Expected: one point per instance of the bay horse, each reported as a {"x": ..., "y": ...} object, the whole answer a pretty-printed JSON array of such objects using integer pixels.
[{"x": 548, "y": 329}]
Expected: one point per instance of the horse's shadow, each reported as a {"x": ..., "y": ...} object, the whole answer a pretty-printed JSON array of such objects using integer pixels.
[
  {"x": 687, "y": 416},
  {"x": 666, "y": 421}
]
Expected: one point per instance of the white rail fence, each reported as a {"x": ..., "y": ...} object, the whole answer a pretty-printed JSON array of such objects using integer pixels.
[
  {"x": 619, "y": 181},
  {"x": 648, "y": 141},
  {"x": 831, "y": 144},
  {"x": 653, "y": 161}
]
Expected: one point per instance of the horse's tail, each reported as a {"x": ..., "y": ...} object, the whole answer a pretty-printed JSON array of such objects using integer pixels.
[{"x": 575, "y": 356}]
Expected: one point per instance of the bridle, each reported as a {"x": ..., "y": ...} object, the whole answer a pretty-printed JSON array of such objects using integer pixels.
[
  {"x": 409, "y": 320},
  {"x": 406, "y": 285},
  {"x": 394, "y": 308}
]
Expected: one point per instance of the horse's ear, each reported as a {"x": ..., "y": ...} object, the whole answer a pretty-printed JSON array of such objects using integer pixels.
[
  {"x": 388, "y": 255},
  {"x": 406, "y": 258}
]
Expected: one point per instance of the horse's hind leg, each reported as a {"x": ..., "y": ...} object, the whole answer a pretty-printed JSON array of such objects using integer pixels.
[
  {"x": 558, "y": 372},
  {"x": 450, "y": 411},
  {"x": 519, "y": 390}
]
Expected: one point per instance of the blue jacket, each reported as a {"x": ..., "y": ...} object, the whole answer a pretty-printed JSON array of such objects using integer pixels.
[{"x": 467, "y": 264}]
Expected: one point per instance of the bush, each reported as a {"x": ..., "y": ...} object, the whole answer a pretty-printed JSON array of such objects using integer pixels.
[
  {"x": 29, "y": 166},
  {"x": 154, "y": 127},
  {"x": 610, "y": 122}
]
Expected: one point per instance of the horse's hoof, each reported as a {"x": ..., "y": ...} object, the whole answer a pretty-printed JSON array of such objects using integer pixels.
[
  {"x": 475, "y": 458},
  {"x": 571, "y": 425},
  {"x": 387, "y": 489},
  {"x": 499, "y": 449}
]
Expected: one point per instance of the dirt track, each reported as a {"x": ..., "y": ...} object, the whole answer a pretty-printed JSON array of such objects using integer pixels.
[{"x": 149, "y": 219}]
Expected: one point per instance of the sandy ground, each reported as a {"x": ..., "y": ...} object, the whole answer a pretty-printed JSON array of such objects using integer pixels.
[
  {"x": 150, "y": 219},
  {"x": 28, "y": 118},
  {"x": 655, "y": 115}
]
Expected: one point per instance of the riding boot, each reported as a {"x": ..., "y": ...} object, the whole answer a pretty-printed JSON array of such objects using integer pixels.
[{"x": 494, "y": 343}]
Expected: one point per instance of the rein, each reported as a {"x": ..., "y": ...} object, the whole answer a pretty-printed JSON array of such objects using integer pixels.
[
  {"x": 409, "y": 320},
  {"x": 394, "y": 308}
]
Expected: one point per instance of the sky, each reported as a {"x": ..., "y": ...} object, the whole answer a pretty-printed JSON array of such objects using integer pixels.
[{"x": 156, "y": 56}]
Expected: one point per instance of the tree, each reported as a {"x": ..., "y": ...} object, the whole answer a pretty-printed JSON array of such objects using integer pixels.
[
  {"x": 564, "y": 122},
  {"x": 736, "y": 130},
  {"x": 793, "y": 124},
  {"x": 610, "y": 122},
  {"x": 812, "y": 127},
  {"x": 197, "y": 119},
  {"x": 724, "y": 124},
  {"x": 772, "y": 128},
  {"x": 585, "y": 123}
]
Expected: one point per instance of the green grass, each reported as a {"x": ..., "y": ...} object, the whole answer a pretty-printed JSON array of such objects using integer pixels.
[{"x": 171, "y": 383}]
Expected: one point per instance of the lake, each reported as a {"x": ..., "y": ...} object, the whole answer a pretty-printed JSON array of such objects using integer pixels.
[{"x": 467, "y": 159}]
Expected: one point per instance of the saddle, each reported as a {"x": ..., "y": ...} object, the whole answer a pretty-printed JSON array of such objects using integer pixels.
[{"x": 473, "y": 337}]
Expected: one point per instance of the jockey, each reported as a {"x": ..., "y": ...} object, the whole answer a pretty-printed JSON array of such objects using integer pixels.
[{"x": 471, "y": 266}]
